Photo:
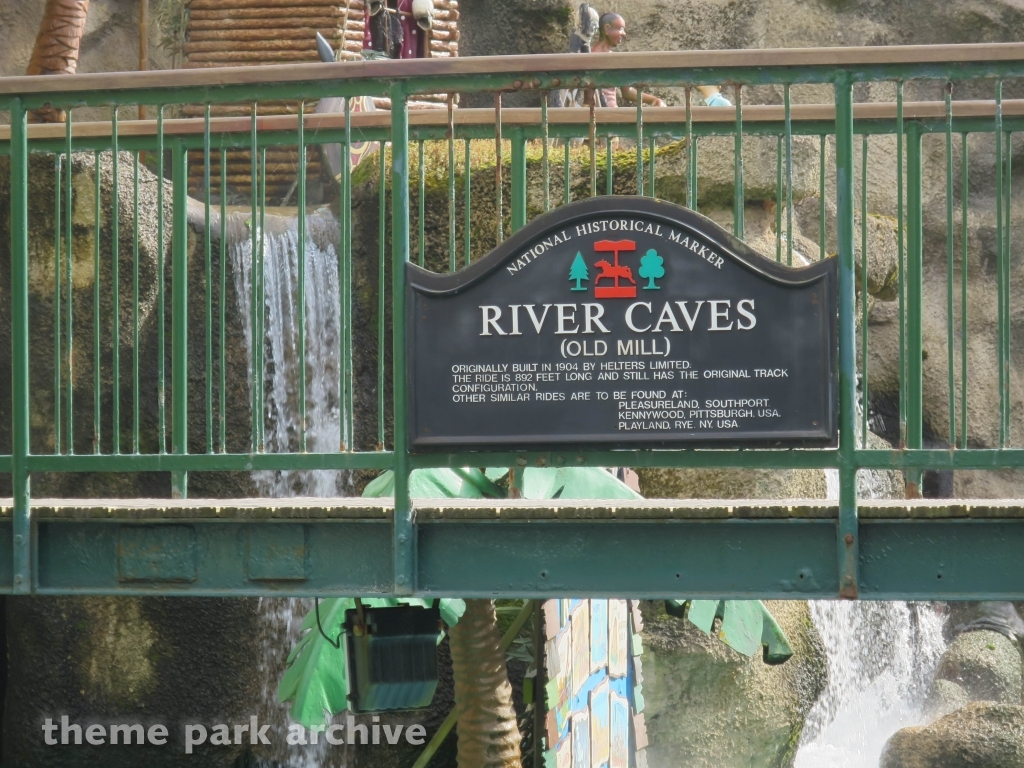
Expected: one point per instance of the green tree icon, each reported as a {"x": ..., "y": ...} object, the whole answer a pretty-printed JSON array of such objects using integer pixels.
[
  {"x": 652, "y": 267},
  {"x": 578, "y": 272}
]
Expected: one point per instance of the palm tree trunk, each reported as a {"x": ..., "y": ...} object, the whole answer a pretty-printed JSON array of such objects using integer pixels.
[
  {"x": 487, "y": 728},
  {"x": 57, "y": 45}
]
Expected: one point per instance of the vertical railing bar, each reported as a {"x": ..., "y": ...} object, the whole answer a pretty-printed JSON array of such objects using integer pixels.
[
  {"x": 639, "y": 141},
  {"x": 346, "y": 242},
  {"x": 915, "y": 340},
  {"x": 301, "y": 320},
  {"x": 650, "y": 170},
  {"x": 691, "y": 156},
  {"x": 950, "y": 318},
  {"x": 789, "y": 176},
  {"x": 566, "y": 173},
  {"x": 864, "y": 388},
  {"x": 115, "y": 287},
  {"x": 498, "y": 168},
  {"x": 901, "y": 277},
  {"x": 261, "y": 304},
  {"x": 518, "y": 199},
  {"x": 57, "y": 304},
  {"x": 208, "y": 271},
  {"x": 778, "y": 199},
  {"x": 404, "y": 544},
  {"x": 964, "y": 194},
  {"x": 421, "y": 159},
  {"x": 1000, "y": 259},
  {"x": 135, "y": 302},
  {"x": 257, "y": 341},
  {"x": 69, "y": 364},
  {"x": 97, "y": 391},
  {"x": 20, "y": 381},
  {"x": 179, "y": 314},
  {"x": 381, "y": 256},
  {"x": 1007, "y": 259},
  {"x": 222, "y": 305},
  {"x": 545, "y": 158},
  {"x": 343, "y": 295},
  {"x": 593, "y": 146},
  {"x": 467, "y": 192},
  {"x": 161, "y": 282},
  {"x": 822, "y": 244},
  {"x": 848, "y": 546},
  {"x": 452, "y": 266},
  {"x": 739, "y": 226},
  {"x": 609, "y": 179}
]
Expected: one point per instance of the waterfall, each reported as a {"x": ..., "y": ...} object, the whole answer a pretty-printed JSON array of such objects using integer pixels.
[
  {"x": 280, "y": 252},
  {"x": 880, "y": 658}
]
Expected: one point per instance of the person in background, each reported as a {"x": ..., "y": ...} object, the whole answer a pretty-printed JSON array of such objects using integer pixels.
[
  {"x": 712, "y": 96},
  {"x": 612, "y": 33}
]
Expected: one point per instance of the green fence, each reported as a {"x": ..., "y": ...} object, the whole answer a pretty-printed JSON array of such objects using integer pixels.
[{"x": 172, "y": 408}]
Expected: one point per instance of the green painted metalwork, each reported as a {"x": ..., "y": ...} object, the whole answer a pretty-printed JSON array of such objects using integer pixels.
[
  {"x": 739, "y": 201},
  {"x": 964, "y": 198},
  {"x": 847, "y": 553},
  {"x": 950, "y": 343},
  {"x": 452, "y": 265},
  {"x": 20, "y": 405},
  {"x": 467, "y": 191},
  {"x": 864, "y": 378},
  {"x": 57, "y": 306},
  {"x": 115, "y": 298},
  {"x": 97, "y": 369},
  {"x": 179, "y": 316},
  {"x": 848, "y": 530},
  {"x": 302, "y": 276},
  {"x": 404, "y": 543},
  {"x": 208, "y": 278},
  {"x": 518, "y": 202}
]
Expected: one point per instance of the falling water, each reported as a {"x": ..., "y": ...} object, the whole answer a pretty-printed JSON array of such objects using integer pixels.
[
  {"x": 880, "y": 658},
  {"x": 283, "y": 616}
]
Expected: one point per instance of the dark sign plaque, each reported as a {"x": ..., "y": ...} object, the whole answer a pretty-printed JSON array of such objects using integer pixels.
[{"x": 622, "y": 322}]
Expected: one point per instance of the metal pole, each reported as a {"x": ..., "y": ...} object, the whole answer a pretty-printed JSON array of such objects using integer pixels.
[
  {"x": 179, "y": 315},
  {"x": 518, "y": 179},
  {"x": 848, "y": 545},
  {"x": 914, "y": 287},
  {"x": 404, "y": 543},
  {"x": 20, "y": 341}
]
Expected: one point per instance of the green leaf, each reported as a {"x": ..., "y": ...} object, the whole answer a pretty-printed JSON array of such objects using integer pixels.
[{"x": 747, "y": 625}]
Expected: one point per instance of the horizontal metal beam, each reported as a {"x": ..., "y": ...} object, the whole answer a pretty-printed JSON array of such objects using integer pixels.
[{"x": 924, "y": 549}]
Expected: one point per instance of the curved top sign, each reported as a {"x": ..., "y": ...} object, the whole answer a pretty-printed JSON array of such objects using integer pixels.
[{"x": 622, "y": 322}]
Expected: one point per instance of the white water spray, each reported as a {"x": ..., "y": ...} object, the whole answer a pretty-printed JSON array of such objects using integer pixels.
[
  {"x": 283, "y": 616},
  {"x": 880, "y": 658}
]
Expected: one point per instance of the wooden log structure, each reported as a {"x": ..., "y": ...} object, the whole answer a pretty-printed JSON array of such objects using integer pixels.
[{"x": 233, "y": 33}]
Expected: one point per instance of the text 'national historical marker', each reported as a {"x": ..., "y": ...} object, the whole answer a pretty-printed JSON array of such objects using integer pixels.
[{"x": 622, "y": 321}]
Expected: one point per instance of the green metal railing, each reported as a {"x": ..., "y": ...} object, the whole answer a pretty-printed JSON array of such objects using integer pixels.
[{"x": 540, "y": 146}]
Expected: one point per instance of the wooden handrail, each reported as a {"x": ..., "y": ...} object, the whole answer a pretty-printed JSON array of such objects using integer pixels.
[{"x": 526, "y": 65}]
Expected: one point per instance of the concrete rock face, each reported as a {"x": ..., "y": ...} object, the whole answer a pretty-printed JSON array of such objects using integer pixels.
[
  {"x": 981, "y": 735},
  {"x": 986, "y": 665},
  {"x": 126, "y": 660},
  {"x": 708, "y": 706}
]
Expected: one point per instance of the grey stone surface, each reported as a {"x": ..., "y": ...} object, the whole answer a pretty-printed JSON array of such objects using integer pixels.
[
  {"x": 986, "y": 664},
  {"x": 707, "y": 705},
  {"x": 981, "y": 735}
]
